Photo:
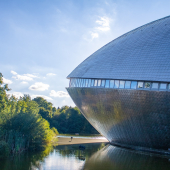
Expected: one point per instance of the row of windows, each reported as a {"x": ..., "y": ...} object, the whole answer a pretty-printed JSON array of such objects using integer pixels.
[{"x": 121, "y": 84}]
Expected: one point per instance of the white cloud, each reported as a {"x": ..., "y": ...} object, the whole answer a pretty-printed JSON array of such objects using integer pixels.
[
  {"x": 104, "y": 24},
  {"x": 27, "y": 77},
  {"x": 13, "y": 72},
  {"x": 7, "y": 81},
  {"x": 24, "y": 82},
  {"x": 50, "y": 74},
  {"x": 22, "y": 77},
  {"x": 59, "y": 94},
  {"x": 45, "y": 97},
  {"x": 30, "y": 75},
  {"x": 39, "y": 86},
  {"x": 94, "y": 35},
  {"x": 16, "y": 94}
]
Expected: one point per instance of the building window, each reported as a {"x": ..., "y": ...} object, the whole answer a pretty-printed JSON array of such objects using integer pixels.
[
  {"x": 107, "y": 83},
  {"x": 147, "y": 85},
  {"x": 122, "y": 84},
  {"x": 92, "y": 82},
  {"x": 140, "y": 84},
  {"x": 86, "y": 82},
  {"x": 89, "y": 83},
  {"x": 111, "y": 83},
  {"x": 99, "y": 82},
  {"x": 155, "y": 85},
  {"x": 77, "y": 82},
  {"x": 116, "y": 84},
  {"x": 133, "y": 84},
  {"x": 127, "y": 84},
  {"x": 82, "y": 82},
  {"x": 103, "y": 83},
  {"x": 162, "y": 86},
  {"x": 72, "y": 82},
  {"x": 95, "y": 82}
]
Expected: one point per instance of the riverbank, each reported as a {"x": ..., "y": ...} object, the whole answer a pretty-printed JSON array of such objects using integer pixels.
[{"x": 64, "y": 140}]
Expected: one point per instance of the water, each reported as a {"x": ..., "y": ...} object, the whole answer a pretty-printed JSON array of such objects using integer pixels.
[{"x": 99, "y": 156}]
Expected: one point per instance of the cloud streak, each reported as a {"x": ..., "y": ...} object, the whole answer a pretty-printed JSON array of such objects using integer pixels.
[
  {"x": 27, "y": 77},
  {"x": 104, "y": 24},
  {"x": 50, "y": 74},
  {"x": 59, "y": 94},
  {"x": 39, "y": 86}
]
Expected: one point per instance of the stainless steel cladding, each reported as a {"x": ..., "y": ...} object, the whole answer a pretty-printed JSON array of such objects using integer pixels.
[{"x": 126, "y": 115}]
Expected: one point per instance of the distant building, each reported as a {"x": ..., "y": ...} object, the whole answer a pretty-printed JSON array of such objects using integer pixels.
[{"x": 123, "y": 89}]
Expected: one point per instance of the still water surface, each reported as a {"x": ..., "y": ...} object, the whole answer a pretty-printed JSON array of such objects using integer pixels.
[{"x": 99, "y": 156}]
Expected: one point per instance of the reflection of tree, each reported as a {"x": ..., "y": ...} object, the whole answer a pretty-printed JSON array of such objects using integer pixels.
[
  {"x": 25, "y": 161},
  {"x": 71, "y": 150},
  {"x": 147, "y": 85},
  {"x": 33, "y": 160}
]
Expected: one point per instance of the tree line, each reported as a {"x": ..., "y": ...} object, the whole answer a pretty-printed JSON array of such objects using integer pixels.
[{"x": 27, "y": 124}]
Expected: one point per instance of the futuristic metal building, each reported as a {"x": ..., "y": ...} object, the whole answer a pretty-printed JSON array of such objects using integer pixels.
[{"x": 123, "y": 89}]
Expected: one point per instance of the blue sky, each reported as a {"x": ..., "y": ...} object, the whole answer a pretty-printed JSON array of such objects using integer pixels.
[{"x": 42, "y": 41}]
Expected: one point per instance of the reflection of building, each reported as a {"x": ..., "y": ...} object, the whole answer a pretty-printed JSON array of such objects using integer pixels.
[
  {"x": 112, "y": 158},
  {"x": 123, "y": 89}
]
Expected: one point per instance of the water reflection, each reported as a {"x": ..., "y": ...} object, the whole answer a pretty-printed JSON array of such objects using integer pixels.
[
  {"x": 115, "y": 158},
  {"x": 94, "y": 157},
  {"x": 59, "y": 158}
]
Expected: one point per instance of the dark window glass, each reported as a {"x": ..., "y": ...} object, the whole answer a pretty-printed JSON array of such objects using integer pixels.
[
  {"x": 122, "y": 84},
  {"x": 116, "y": 84},
  {"x": 103, "y": 83},
  {"x": 140, "y": 84},
  {"x": 162, "y": 86},
  {"x": 127, "y": 84},
  {"x": 92, "y": 82},
  {"x": 147, "y": 85},
  {"x": 168, "y": 86},
  {"x": 133, "y": 84},
  {"x": 107, "y": 83},
  {"x": 155, "y": 85}
]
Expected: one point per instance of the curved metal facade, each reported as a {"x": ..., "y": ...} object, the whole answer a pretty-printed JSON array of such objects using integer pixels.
[{"x": 127, "y": 117}]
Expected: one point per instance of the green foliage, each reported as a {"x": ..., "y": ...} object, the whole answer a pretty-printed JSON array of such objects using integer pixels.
[
  {"x": 70, "y": 120},
  {"x": 4, "y": 149},
  {"x": 33, "y": 124},
  {"x": 65, "y": 119},
  {"x": 21, "y": 125}
]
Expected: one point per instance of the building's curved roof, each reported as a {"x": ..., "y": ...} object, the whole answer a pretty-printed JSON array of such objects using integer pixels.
[{"x": 141, "y": 54}]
